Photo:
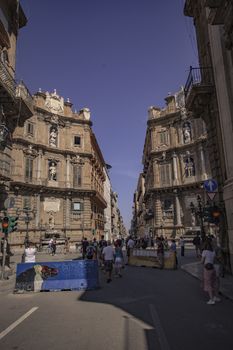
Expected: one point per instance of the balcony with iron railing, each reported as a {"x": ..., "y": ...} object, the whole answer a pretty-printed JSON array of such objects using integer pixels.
[
  {"x": 14, "y": 95},
  {"x": 198, "y": 88}
]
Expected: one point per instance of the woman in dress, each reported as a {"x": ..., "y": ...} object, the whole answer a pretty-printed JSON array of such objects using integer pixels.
[
  {"x": 118, "y": 259},
  {"x": 209, "y": 273}
]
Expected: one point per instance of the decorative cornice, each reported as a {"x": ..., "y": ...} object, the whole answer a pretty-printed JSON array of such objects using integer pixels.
[
  {"x": 48, "y": 149},
  {"x": 63, "y": 118}
]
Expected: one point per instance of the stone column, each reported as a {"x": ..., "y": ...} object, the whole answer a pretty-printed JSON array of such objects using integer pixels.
[
  {"x": 68, "y": 171},
  {"x": 203, "y": 167},
  {"x": 175, "y": 171},
  {"x": 178, "y": 211},
  {"x": 38, "y": 171},
  {"x": 157, "y": 211}
]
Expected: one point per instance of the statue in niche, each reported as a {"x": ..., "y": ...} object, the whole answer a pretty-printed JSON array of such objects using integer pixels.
[
  {"x": 189, "y": 167},
  {"x": 53, "y": 171},
  {"x": 51, "y": 220},
  {"x": 187, "y": 132},
  {"x": 53, "y": 137}
]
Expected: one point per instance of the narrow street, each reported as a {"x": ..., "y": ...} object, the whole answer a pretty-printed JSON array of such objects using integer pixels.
[{"x": 146, "y": 309}]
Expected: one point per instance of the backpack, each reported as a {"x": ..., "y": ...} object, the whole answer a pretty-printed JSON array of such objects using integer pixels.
[{"x": 90, "y": 252}]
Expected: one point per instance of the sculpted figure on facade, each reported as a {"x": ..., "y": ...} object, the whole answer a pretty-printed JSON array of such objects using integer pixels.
[
  {"x": 53, "y": 137},
  {"x": 51, "y": 220},
  {"x": 187, "y": 133},
  {"x": 189, "y": 167},
  {"x": 52, "y": 171}
]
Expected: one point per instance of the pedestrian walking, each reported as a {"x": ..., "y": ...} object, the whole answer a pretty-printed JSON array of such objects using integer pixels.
[
  {"x": 174, "y": 251},
  {"x": 90, "y": 251},
  {"x": 197, "y": 244},
  {"x": 160, "y": 252},
  {"x": 182, "y": 245},
  {"x": 108, "y": 257},
  {"x": 129, "y": 247},
  {"x": 67, "y": 245},
  {"x": 54, "y": 246},
  {"x": 84, "y": 247},
  {"x": 30, "y": 253},
  {"x": 209, "y": 273},
  {"x": 118, "y": 259}
]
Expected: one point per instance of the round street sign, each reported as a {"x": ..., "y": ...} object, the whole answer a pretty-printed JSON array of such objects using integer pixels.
[
  {"x": 9, "y": 203},
  {"x": 210, "y": 185}
]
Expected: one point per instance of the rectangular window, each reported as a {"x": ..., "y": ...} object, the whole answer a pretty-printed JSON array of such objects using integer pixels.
[
  {"x": 165, "y": 174},
  {"x": 30, "y": 129},
  {"x": 77, "y": 140},
  {"x": 168, "y": 208},
  {"x": 27, "y": 202},
  {"x": 28, "y": 169},
  {"x": 77, "y": 206},
  {"x": 77, "y": 176},
  {"x": 163, "y": 137}
]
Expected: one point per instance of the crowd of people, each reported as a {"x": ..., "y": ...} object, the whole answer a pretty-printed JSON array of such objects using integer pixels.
[{"x": 110, "y": 256}]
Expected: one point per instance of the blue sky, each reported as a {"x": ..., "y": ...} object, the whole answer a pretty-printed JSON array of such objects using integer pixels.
[{"x": 117, "y": 57}]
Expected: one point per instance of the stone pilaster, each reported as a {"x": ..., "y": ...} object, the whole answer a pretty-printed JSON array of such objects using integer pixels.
[
  {"x": 175, "y": 171},
  {"x": 203, "y": 166},
  {"x": 68, "y": 184},
  {"x": 178, "y": 211}
]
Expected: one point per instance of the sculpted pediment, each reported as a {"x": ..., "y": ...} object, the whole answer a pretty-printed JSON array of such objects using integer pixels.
[{"x": 54, "y": 102}]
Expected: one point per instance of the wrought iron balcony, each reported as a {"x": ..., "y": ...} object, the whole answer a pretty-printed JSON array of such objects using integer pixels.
[
  {"x": 6, "y": 164},
  {"x": 199, "y": 86},
  {"x": 15, "y": 97}
]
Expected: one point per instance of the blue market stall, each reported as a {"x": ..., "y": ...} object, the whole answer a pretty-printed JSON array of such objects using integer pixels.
[{"x": 57, "y": 276}]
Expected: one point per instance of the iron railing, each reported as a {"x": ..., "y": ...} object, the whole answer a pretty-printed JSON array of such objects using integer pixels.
[
  {"x": 7, "y": 80},
  {"x": 201, "y": 76},
  {"x": 16, "y": 89}
]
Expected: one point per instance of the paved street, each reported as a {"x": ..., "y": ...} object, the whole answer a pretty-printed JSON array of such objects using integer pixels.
[{"x": 146, "y": 309}]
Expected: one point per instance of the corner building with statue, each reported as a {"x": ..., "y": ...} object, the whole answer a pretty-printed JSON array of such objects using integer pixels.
[
  {"x": 175, "y": 165},
  {"x": 57, "y": 181}
]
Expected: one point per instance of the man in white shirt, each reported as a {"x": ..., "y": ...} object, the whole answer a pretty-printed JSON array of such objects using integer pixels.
[
  {"x": 30, "y": 254},
  {"x": 108, "y": 256},
  {"x": 129, "y": 246}
]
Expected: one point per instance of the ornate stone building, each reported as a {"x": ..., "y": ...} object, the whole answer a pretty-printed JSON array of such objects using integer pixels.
[
  {"x": 209, "y": 94},
  {"x": 57, "y": 181},
  {"x": 175, "y": 166},
  {"x": 16, "y": 103},
  {"x": 139, "y": 208}
]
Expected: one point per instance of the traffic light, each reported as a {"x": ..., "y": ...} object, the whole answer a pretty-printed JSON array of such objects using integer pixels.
[
  {"x": 215, "y": 213},
  {"x": 5, "y": 225},
  {"x": 13, "y": 223}
]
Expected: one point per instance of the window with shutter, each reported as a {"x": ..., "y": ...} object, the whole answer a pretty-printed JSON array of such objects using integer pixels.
[
  {"x": 165, "y": 174},
  {"x": 77, "y": 174},
  {"x": 28, "y": 169},
  {"x": 163, "y": 137}
]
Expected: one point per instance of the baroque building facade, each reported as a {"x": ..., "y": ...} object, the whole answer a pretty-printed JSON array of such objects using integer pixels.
[
  {"x": 175, "y": 166},
  {"x": 57, "y": 182},
  {"x": 16, "y": 103},
  {"x": 209, "y": 94}
]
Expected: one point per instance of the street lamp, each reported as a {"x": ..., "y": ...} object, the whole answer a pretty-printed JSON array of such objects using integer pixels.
[
  {"x": 27, "y": 220},
  {"x": 199, "y": 211}
]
